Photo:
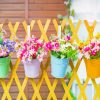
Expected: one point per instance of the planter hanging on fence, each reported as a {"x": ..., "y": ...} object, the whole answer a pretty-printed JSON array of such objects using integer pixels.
[
  {"x": 58, "y": 67},
  {"x": 4, "y": 67},
  {"x": 93, "y": 68},
  {"x": 32, "y": 68}
]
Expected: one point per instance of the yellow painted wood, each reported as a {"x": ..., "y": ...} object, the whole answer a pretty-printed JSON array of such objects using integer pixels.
[
  {"x": 44, "y": 30},
  {"x": 75, "y": 76},
  {"x": 1, "y": 26},
  {"x": 6, "y": 92},
  {"x": 90, "y": 28},
  {"x": 36, "y": 89},
  {"x": 63, "y": 23},
  {"x": 32, "y": 24},
  {"x": 66, "y": 89},
  {"x": 75, "y": 30},
  {"x": 44, "y": 75},
  {"x": 13, "y": 30},
  {"x": 97, "y": 88}
]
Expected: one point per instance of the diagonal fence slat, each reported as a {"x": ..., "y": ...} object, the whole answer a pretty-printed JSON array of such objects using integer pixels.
[{"x": 44, "y": 75}]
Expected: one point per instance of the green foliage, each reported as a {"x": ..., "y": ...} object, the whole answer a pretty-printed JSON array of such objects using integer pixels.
[
  {"x": 1, "y": 40},
  {"x": 67, "y": 30},
  {"x": 60, "y": 17},
  {"x": 72, "y": 12},
  {"x": 95, "y": 57},
  {"x": 72, "y": 95},
  {"x": 69, "y": 75},
  {"x": 65, "y": 54}
]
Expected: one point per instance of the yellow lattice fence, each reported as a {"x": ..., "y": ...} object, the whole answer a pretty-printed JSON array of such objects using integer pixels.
[{"x": 44, "y": 76}]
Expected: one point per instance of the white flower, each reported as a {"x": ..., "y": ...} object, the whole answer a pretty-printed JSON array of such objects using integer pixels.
[
  {"x": 66, "y": 3},
  {"x": 29, "y": 58},
  {"x": 68, "y": 44},
  {"x": 40, "y": 41},
  {"x": 40, "y": 58},
  {"x": 87, "y": 55},
  {"x": 94, "y": 40},
  {"x": 31, "y": 52}
]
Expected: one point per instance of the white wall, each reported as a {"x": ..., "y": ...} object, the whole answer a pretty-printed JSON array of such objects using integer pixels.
[{"x": 86, "y": 10}]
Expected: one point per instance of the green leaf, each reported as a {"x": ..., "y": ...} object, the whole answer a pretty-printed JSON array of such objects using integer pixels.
[
  {"x": 69, "y": 75},
  {"x": 95, "y": 57},
  {"x": 72, "y": 95},
  {"x": 72, "y": 12},
  {"x": 1, "y": 40}
]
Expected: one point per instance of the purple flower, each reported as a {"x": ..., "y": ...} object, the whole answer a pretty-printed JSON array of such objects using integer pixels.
[{"x": 7, "y": 46}]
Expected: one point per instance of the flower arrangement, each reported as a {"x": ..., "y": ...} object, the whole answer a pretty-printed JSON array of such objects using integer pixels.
[
  {"x": 62, "y": 48},
  {"x": 6, "y": 47},
  {"x": 61, "y": 51},
  {"x": 33, "y": 48},
  {"x": 92, "y": 50}
]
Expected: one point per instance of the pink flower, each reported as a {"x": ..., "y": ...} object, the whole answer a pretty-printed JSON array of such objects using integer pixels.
[
  {"x": 67, "y": 38},
  {"x": 86, "y": 49},
  {"x": 32, "y": 49},
  {"x": 24, "y": 51},
  {"x": 99, "y": 44},
  {"x": 25, "y": 44},
  {"x": 40, "y": 44},
  {"x": 93, "y": 53},
  {"x": 56, "y": 45},
  {"x": 35, "y": 39},
  {"x": 49, "y": 46},
  {"x": 92, "y": 44},
  {"x": 21, "y": 55},
  {"x": 93, "y": 49}
]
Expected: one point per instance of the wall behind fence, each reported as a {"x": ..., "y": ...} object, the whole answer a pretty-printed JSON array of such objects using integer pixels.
[{"x": 20, "y": 10}]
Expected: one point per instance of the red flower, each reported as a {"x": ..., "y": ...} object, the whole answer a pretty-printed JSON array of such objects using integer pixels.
[
  {"x": 21, "y": 55},
  {"x": 34, "y": 56},
  {"x": 36, "y": 48}
]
